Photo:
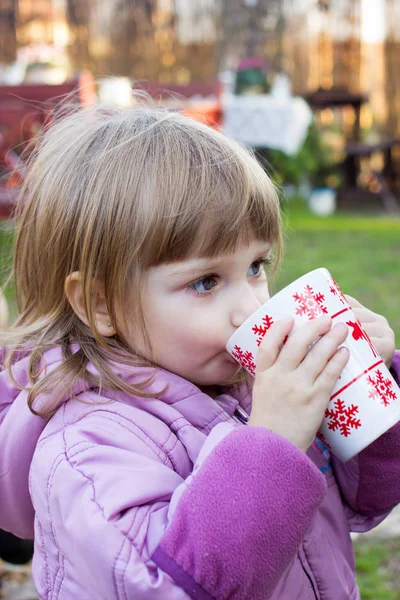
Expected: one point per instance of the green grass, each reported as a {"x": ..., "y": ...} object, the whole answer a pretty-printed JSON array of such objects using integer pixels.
[
  {"x": 363, "y": 255},
  {"x": 378, "y": 569},
  {"x": 6, "y": 241}
]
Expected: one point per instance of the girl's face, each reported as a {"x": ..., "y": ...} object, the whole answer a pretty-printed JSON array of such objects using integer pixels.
[{"x": 191, "y": 309}]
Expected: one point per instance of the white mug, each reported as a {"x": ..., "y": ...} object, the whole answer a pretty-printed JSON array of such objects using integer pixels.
[{"x": 365, "y": 401}]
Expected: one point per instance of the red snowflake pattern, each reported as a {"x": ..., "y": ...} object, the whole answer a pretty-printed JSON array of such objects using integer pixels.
[
  {"x": 342, "y": 418},
  {"x": 359, "y": 333},
  {"x": 246, "y": 359},
  {"x": 381, "y": 388},
  {"x": 261, "y": 330},
  {"x": 336, "y": 291},
  {"x": 310, "y": 303}
]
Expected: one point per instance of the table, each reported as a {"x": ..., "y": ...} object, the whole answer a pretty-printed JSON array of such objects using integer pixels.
[{"x": 266, "y": 121}]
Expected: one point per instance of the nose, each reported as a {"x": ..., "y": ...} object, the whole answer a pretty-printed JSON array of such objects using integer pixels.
[{"x": 245, "y": 303}]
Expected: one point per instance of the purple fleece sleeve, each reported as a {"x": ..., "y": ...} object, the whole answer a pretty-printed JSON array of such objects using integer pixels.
[
  {"x": 242, "y": 518},
  {"x": 370, "y": 482},
  {"x": 395, "y": 367}
]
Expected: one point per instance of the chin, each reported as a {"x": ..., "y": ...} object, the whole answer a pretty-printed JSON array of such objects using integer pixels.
[{"x": 230, "y": 376}]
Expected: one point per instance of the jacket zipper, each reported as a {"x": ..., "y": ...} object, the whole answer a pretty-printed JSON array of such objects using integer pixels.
[{"x": 241, "y": 415}]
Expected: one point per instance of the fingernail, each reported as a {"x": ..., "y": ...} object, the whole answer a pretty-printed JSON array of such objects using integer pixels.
[
  {"x": 341, "y": 327},
  {"x": 286, "y": 319},
  {"x": 326, "y": 320},
  {"x": 344, "y": 351}
]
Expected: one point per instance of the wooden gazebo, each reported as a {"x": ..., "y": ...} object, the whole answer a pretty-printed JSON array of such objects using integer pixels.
[{"x": 386, "y": 184}]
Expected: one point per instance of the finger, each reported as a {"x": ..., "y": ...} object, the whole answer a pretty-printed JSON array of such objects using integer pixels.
[
  {"x": 352, "y": 301},
  {"x": 384, "y": 344},
  {"x": 367, "y": 316},
  {"x": 321, "y": 353},
  {"x": 375, "y": 330},
  {"x": 297, "y": 346},
  {"x": 331, "y": 373},
  {"x": 272, "y": 343}
]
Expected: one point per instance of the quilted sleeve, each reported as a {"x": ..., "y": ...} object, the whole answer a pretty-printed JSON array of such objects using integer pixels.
[{"x": 129, "y": 526}]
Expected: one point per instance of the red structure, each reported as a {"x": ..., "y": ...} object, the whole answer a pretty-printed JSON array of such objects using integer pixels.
[
  {"x": 201, "y": 101},
  {"x": 24, "y": 110}
]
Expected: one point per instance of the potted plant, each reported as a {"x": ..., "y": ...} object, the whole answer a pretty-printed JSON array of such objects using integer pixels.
[
  {"x": 294, "y": 173},
  {"x": 313, "y": 172},
  {"x": 327, "y": 177}
]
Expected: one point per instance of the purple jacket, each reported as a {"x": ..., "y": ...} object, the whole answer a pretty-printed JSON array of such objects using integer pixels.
[{"x": 173, "y": 498}]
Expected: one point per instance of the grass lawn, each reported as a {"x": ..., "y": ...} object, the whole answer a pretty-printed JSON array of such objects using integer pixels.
[
  {"x": 363, "y": 256},
  {"x": 6, "y": 240},
  {"x": 378, "y": 569}
]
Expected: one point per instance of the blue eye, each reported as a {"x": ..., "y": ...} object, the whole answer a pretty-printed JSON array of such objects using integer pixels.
[
  {"x": 204, "y": 285},
  {"x": 256, "y": 268}
]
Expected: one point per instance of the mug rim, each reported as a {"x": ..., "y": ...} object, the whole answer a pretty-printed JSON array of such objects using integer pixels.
[{"x": 273, "y": 298}]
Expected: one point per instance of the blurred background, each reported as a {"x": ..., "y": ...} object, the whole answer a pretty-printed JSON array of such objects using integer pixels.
[{"x": 313, "y": 86}]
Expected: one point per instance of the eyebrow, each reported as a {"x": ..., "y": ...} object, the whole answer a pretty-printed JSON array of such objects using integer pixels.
[
  {"x": 198, "y": 268},
  {"x": 203, "y": 267}
]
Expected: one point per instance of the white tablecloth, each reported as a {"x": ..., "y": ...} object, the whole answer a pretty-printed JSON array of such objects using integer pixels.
[{"x": 265, "y": 121}]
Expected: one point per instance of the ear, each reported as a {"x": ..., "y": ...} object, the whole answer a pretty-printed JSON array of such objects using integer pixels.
[{"x": 74, "y": 292}]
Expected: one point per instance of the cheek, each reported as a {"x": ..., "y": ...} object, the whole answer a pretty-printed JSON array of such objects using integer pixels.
[
  {"x": 197, "y": 332},
  {"x": 193, "y": 337},
  {"x": 263, "y": 295},
  {"x": 182, "y": 321}
]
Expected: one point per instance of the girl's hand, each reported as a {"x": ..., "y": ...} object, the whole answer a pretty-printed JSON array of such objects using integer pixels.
[
  {"x": 377, "y": 328},
  {"x": 292, "y": 388}
]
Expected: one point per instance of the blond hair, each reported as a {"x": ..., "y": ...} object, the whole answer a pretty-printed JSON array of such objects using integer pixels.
[{"x": 111, "y": 193}]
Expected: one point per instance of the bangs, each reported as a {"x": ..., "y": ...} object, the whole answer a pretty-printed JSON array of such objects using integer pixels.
[
  {"x": 222, "y": 198},
  {"x": 238, "y": 225}
]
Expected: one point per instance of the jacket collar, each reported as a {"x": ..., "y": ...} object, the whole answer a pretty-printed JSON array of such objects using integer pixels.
[{"x": 198, "y": 408}]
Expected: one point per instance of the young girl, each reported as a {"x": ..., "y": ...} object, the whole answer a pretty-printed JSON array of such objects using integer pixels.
[{"x": 126, "y": 446}]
